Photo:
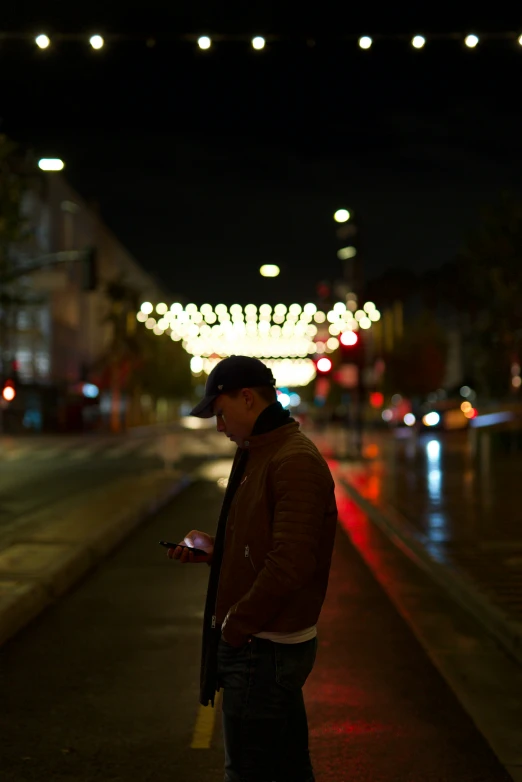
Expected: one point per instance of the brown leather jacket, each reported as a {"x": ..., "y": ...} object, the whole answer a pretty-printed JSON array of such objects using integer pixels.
[{"x": 279, "y": 538}]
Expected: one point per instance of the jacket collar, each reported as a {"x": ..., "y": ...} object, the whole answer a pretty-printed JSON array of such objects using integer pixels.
[
  {"x": 272, "y": 417},
  {"x": 258, "y": 440}
]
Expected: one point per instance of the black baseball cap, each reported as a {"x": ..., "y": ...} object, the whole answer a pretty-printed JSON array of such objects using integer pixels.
[{"x": 232, "y": 373}]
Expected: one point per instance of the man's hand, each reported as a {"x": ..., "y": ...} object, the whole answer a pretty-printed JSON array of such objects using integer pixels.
[
  {"x": 194, "y": 539},
  {"x": 236, "y": 641}
]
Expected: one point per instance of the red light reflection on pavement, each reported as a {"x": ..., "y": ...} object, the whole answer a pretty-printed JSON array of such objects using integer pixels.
[
  {"x": 344, "y": 724},
  {"x": 358, "y": 728},
  {"x": 351, "y": 517},
  {"x": 369, "y": 484},
  {"x": 377, "y": 709},
  {"x": 353, "y": 520}
]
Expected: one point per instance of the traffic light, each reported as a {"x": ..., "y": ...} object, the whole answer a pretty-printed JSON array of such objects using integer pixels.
[
  {"x": 90, "y": 269},
  {"x": 351, "y": 348},
  {"x": 348, "y": 338},
  {"x": 350, "y": 359},
  {"x": 324, "y": 365},
  {"x": 8, "y": 391}
]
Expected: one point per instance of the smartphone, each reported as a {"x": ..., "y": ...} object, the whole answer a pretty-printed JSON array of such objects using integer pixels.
[{"x": 196, "y": 551}]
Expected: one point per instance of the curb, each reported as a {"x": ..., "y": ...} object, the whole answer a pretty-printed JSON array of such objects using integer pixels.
[
  {"x": 23, "y": 598},
  {"x": 506, "y": 631}
]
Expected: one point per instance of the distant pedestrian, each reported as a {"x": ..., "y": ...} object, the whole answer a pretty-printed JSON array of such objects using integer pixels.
[{"x": 270, "y": 561}]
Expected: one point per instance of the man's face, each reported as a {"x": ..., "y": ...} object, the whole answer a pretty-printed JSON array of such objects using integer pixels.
[{"x": 234, "y": 416}]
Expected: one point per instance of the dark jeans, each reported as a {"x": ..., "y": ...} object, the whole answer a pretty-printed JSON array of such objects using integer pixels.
[{"x": 264, "y": 719}]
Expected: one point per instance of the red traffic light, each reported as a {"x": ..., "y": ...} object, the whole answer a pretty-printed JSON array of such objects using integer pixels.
[
  {"x": 376, "y": 399},
  {"x": 349, "y": 338},
  {"x": 8, "y": 391},
  {"x": 324, "y": 365}
]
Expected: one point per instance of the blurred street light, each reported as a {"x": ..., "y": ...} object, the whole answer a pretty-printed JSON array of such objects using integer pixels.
[
  {"x": 341, "y": 215},
  {"x": 365, "y": 42},
  {"x": 96, "y": 41},
  {"x": 471, "y": 41},
  {"x": 8, "y": 391},
  {"x": 51, "y": 164},
  {"x": 418, "y": 41},
  {"x": 346, "y": 252},
  {"x": 258, "y": 43},
  {"x": 204, "y": 42},
  {"x": 269, "y": 270},
  {"x": 42, "y": 41}
]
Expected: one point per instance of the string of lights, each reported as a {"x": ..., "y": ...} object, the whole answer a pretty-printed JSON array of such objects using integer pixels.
[
  {"x": 205, "y": 42},
  {"x": 286, "y": 338}
]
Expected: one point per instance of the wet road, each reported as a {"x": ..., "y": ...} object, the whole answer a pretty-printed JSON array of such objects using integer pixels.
[
  {"x": 104, "y": 685},
  {"x": 464, "y": 510}
]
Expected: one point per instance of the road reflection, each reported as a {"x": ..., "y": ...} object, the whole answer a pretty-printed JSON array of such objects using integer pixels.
[{"x": 434, "y": 471}]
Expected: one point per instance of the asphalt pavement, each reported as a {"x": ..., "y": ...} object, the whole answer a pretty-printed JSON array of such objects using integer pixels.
[
  {"x": 104, "y": 684},
  {"x": 39, "y": 474},
  {"x": 460, "y": 511}
]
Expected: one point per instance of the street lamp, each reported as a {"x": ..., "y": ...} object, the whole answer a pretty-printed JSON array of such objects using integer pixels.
[
  {"x": 42, "y": 41},
  {"x": 269, "y": 270},
  {"x": 418, "y": 41},
  {"x": 345, "y": 253},
  {"x": 341, "y": 216},
  {"x": 51, "y": 164},
  {"x": 96, "y": 41}
]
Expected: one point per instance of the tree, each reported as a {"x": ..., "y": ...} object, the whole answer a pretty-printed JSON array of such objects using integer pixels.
[
  {"x": 490, "y": 282},
  {"x": 417, "y": 364},
  {"x": 137, "y": 361}
]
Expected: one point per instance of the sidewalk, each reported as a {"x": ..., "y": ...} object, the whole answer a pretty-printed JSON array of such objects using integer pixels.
[
  {"x": 456, "y": 517},
  {"x": 53, "y": 542},
  {"x": 53, "y": 549}
]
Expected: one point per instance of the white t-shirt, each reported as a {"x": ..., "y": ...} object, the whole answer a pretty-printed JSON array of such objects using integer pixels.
[{"x": 298, "y": 637}]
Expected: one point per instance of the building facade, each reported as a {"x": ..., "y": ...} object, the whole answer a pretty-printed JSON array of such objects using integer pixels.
[{"x": 56, "y": 329}]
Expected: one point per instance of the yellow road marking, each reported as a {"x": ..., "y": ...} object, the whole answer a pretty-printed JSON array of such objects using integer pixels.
[{"x": 204, "y": 728}]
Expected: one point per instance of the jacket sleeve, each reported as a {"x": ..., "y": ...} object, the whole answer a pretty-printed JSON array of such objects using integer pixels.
[{"x": 302, "y": 489}]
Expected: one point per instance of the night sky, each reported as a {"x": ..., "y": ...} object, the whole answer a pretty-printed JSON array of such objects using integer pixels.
[{"x": 208, "y": 164}]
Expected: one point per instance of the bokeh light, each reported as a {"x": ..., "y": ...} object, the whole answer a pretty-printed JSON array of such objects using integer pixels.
[
  {"x": 42, "y": 41},
  {"x": 96, "y": 41}
]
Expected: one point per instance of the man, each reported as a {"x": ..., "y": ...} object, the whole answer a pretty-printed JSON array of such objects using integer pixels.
[{"x": 270, "y": 562}]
